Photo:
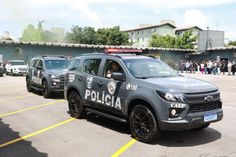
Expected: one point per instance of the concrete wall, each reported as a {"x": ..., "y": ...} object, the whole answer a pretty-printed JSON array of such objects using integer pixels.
[
  {"x": 212, "y": 55},
  {"x": 9, "y": 51}
]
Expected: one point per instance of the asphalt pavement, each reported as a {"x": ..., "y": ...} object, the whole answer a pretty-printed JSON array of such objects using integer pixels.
[{"x": 32, "y": 126}]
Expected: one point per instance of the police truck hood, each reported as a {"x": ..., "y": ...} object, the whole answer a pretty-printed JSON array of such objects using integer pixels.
[{"x": 181, "y": 84}]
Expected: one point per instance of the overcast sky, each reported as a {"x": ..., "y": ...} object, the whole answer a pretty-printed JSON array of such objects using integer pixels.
[{"x": 15, "y": 15}]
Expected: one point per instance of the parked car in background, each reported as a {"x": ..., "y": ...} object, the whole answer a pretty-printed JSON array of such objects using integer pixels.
[
  {"x": 16, "y": 67},
  {"x": 47, "y": 74}
]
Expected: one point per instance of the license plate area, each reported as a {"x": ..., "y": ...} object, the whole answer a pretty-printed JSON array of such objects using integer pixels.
[{"x": 210, "y": 117}]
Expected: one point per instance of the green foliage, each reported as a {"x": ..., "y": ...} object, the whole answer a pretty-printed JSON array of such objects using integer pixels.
[
  {"x": 81, "y": 35},
  {"x": 184, "y": 41},
  {"x": 232, "y": 43},
  {"x": 30, "y": 34},
  {"x": 103, "y": 36}
]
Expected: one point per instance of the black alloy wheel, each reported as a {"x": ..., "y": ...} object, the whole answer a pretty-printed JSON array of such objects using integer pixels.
[
  {"x": 143, "y": 124},
  {"x": 76, "y": 108},
  {"x": 46, "y": 93},
  {"x": 28, "y": 85}
]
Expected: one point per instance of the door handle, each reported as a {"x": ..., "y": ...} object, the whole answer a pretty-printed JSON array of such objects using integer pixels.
[{"x": 100, "y": 83}]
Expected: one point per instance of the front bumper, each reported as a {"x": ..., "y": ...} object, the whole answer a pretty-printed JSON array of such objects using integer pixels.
[
  {"x": 190, "y": 121},
  {"x": 56, "y": 86},
  {"x": 17, "y": 72}
]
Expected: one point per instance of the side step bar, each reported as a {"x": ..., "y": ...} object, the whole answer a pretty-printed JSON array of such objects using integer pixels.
[{"x": 106, "y": 115}]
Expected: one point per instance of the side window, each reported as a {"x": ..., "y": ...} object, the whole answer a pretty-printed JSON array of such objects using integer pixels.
[
  {"x": 33, "y": 62},
  {"x": 40, "y": 63},
  {"x": 74, "y": 64},
  {"x": 91, "y": 66},
  {"x": 110, "y": 67}
]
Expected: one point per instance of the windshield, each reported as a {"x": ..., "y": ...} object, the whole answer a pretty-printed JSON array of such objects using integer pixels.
[
  {"x": 149, "y": 68},
  {"x": 56, "y": 64},
  {"x": 17, "y": 63}
]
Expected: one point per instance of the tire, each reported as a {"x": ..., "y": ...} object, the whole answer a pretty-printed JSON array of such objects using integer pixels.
[
  {"x": 143, "y": 124},
  {"x": 12, "y": 73},
  {"x": 28, "y": 85},
  {"x": 203, "y": 126},
  {"x": 46, "y": 93},
  {"x": 76, "y": 108}
]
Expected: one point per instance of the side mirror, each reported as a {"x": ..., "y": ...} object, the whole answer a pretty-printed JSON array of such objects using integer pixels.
[
  {"x": 118, "y": 76},
  {"x": 39, "y": 68}
]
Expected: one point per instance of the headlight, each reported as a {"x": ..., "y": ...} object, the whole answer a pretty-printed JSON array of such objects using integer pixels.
[
  {"x": 171, "y": 96},
  {"x": 54, "y": 76}
]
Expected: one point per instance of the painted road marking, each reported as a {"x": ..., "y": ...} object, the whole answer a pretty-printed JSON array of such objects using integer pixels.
[
  {"x": 15, "y": 98},
  {"x": 36, "y": 133},
  {"x": 30, "y": 108},
  {"x": 124, "y": 148}
]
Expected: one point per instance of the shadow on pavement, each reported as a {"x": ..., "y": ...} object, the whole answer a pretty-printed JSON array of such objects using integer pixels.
[
  {"x": 108, "y": 123},
  {"x": 189, "y": 138},
  {"x": 20, "y": 149},
  {"x": 169, "y": 139},
  {"x": 54, "y": 95}
]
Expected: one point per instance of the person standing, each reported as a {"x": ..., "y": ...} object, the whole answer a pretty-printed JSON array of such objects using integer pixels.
[
  {"x": 233, "y": 69},
  {"x": 202, "y": 67},
  {"x": 229, "y": 67}
]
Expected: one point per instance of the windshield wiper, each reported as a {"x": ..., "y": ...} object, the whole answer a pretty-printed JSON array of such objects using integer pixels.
[{"x": 143, "y": 77}]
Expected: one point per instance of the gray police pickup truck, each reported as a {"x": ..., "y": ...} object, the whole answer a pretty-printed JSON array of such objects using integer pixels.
[
  {"x": 143, "y": 91},
  {"x": 46, "y": 74}
]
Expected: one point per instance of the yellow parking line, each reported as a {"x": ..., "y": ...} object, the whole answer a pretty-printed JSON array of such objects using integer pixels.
[
  {"x": 30, "y": 108},
  {"x": 36, "y": 133},
  {"x": 124, "y": 148},
  {"x": 15, "y": 98}
]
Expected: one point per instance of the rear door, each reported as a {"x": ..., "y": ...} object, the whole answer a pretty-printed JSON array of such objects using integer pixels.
[
  {"x": 88, "y": 80},
  {"x": 37, "y": 73}
]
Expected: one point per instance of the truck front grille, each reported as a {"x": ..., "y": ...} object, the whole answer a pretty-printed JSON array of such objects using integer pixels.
[
  {"x": 205, "y": 106},
  {"x": 62, "y": 80}
]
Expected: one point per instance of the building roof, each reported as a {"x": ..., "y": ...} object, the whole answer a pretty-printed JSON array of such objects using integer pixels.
[
  {"x": 93, "y": 46},
  {"x": 187, "y": 28},
  {"x": 222, "y": 48},
  {"x": 148, "y": 27}
]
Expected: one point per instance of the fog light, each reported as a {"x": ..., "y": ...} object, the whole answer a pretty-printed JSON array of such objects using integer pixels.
[
  {"x": 173, "y": 112},
  {"x": 54, "y": 83}
]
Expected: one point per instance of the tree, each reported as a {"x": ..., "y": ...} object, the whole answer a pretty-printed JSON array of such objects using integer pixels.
[
  {"x": 81, "y": 35},
  {"x": 30, "y": 34},
  {"x": 165, "y": 41},
  {"x": 184, "y": 41},
  {"x": 103, "y": 36},
  {"x": 112, "y": 36},
  {"x": 232, "y": 43}
]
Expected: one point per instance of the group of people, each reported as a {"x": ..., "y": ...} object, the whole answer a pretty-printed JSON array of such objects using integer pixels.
[{"x": 208, "y": 67}]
